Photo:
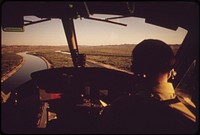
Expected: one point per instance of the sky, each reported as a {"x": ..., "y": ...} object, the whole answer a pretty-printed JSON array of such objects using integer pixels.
[{"x": 90, "y": 32}]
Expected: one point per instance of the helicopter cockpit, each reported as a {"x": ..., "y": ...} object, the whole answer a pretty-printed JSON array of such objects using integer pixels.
[{"x": 72, "y": 99}]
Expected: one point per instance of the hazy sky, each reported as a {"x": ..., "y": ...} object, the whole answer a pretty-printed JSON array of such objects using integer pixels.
[{"x": 90, "y": 32}]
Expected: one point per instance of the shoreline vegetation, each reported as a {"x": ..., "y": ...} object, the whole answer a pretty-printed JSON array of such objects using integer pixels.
[
  {"x": 10, "y": 64},
  {"x": 11, "y": 72}
]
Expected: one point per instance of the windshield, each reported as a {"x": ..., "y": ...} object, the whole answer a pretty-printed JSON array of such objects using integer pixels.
[
  {"x": 102, "y": 42},
  {"x": 105, "y": 44}
]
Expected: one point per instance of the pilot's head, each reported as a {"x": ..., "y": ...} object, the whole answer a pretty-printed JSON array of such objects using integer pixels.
[{"x": 151, "y": 57}]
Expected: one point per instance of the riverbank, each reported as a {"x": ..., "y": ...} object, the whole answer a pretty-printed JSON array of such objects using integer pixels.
[
  {"x": 49, "y": 65},
  {"x": 13, "y": 70},
  {"x": 99, "y": 64}
]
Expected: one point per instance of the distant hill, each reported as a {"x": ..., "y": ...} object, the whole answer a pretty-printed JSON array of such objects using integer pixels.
[{"x": 23, "y": 48}]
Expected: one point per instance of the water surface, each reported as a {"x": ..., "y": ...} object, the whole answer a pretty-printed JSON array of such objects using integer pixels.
[{"x": 31, "y": 64}]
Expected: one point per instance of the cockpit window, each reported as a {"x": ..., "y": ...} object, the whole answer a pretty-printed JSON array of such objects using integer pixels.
[
  {"x": 106, "y": 44},
  {"x": 187, "y": 85}
]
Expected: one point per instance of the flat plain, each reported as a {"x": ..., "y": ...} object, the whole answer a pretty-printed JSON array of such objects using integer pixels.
[{"x": 118, "y": 56}]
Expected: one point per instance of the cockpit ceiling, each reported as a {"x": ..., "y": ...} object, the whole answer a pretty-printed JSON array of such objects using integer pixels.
[
  {"x": 67, "y": 9},
  {"x": 168, "y": 14},
  {"x": 113, "y": 8}
]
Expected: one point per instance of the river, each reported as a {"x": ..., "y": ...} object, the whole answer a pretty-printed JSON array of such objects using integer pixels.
[{"x": 31, "y": 64}]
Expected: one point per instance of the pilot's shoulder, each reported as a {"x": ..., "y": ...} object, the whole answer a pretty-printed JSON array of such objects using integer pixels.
[
  {"x": 184, "y": 107},
  {"x": 133, "y": 102}
]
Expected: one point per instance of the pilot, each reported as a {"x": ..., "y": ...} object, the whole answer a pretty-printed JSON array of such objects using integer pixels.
[{"x": 153, "y": 107}]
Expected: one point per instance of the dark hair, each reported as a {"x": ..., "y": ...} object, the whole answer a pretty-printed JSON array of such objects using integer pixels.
[{"x": 152, "y": 57}]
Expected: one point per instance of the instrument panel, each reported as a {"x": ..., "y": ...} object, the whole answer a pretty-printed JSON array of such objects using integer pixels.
[{"x": 73, "y": 99}]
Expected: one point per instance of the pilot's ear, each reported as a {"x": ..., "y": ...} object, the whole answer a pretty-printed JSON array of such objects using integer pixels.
[
  {"x": 172, "y": 74},
  {"x": 169, "y": 75}
]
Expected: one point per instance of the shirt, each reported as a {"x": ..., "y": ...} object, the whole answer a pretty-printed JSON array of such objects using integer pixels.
[
  {"x": 165, "y": 91},
  {"x": 154, "y": 109}
]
